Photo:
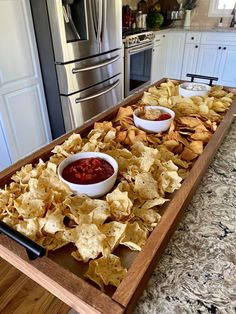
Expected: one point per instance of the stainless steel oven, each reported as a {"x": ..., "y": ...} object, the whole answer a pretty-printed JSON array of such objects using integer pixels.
[{"x": 138, "y": 61}]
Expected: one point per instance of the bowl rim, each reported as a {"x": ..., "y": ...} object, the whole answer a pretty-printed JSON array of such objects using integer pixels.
[
  {"x": 64, "y": 163},
  {"x": 208, "y": 87},
  {"x": 168, "y": 110}
]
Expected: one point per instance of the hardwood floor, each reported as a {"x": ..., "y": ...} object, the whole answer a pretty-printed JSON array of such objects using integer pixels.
[{"x": 21, "y": 295}]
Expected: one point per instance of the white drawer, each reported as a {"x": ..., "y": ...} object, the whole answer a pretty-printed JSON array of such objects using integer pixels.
[
  {"x": 218, "y": 38},
  {"x": 193, "y": 38},
  {"x": 158, "y": 37}
]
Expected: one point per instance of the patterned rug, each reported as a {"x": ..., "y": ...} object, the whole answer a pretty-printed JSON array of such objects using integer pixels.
[{"x": 197, "y": 273}]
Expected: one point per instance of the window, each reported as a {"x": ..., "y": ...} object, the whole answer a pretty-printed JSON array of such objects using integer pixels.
[{"x": 221, "y": 7}]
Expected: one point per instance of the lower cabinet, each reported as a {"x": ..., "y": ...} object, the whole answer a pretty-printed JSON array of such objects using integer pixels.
[
  {"x": 227, "y": 68},
  {"x": 216, "y": 60},
  {"x": 203, "y": 53},
  {"x": 174, "y": 54},
  {"x": 209, "y": 60},
  {"x": 159, "y": 58},
  {"x": 189, "y": 60}
]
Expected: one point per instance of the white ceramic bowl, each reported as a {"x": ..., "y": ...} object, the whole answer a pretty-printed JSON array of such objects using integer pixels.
[
  {"x": 186, "y": 89},
  {"x": 153, "y": 126},
  {"x": 95, "y": 189}
]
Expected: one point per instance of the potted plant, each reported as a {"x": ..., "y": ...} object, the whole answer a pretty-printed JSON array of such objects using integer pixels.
[{"x": 188, "y": 6}]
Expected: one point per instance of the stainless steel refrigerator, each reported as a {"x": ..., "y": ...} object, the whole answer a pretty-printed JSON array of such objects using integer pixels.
[{"x": 79, "y": 44}]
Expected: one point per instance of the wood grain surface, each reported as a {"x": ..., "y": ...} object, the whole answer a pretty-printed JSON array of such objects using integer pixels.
[{"x": 19, "y": 294}]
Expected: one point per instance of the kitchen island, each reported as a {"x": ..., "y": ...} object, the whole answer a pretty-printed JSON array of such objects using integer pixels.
[{"x": 197, "y": 272}]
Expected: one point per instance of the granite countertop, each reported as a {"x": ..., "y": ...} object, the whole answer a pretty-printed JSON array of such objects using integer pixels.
[
  {"x": 197, "y": 272},
  {"x": 204, "y": 29},
  {"x": 193, "y": 29}
]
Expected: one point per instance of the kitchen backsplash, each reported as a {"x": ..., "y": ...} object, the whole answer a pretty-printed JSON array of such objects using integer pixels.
[{"x": 199, "y": 16}]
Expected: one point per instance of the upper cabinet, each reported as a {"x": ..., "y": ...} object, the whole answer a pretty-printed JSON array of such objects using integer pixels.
[{"x": 24, "y": 120}]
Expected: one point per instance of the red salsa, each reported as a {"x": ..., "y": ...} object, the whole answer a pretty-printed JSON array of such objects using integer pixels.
[
  {"x": 153, "y": 114},
  {"x": 164, "y": 116},
  {"x": 87, "y": 171}
]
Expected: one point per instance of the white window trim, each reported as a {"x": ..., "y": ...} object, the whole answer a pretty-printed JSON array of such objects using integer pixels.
[{"x": 215, "y": 12}]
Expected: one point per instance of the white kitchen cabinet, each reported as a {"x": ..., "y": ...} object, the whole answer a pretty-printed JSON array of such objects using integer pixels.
[
  {"x": 227, "y": 68},
  {"x": 209, "y": 60},
  {"x": 22, "y": 101},
  {"x": 190, "y": 60},
  {"x": 174, "y": 54},
  {"x": 212, "y": 54},
  {"x": 5, "y": 159},
  {"x": 159, "y": 57}
]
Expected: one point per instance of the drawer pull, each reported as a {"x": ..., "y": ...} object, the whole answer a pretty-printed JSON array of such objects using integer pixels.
[
  {"x": 33, "y": 249},
  {"x": 164, "y": 36},
  {"x": 219, "y": 47},
  {"x": 224, "y": 48},
  {"x": 99, "y": 93},
  {"x": 192, "y": 38},
  {"x": 96, "y": 66},
  {"x": 196, "y": 46}
]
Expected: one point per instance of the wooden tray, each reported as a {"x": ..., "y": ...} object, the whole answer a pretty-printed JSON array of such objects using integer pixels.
[{"x": 58, "y": 274}]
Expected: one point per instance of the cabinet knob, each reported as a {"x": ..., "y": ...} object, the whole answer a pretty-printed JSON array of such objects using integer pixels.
[
  {"x": 219, "y": 47},
  {"x": 196, "y": 46},
  {"x": 224, "y": 48},
  {"x": 164, "y": 36},
  {"x": 192, "y": 38}
]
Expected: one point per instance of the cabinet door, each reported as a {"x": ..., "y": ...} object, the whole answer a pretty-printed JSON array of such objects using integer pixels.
[
  {"x": 190, "y": 60},
  {"x": 159, "y": 58},
  {"x": 157, "y": 65},
  {"x": 175, "y": 52},
  {"x": 162, "y": 57},
  {"x": 5, "y": 160},
  {"x": 209, "y": 60},
  {"x": 227, "y": 71},
  {"x": 22, "y": 100}
]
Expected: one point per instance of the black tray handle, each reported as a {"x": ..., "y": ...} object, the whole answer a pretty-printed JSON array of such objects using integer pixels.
[
  {"x": 33, "y": 249},
  {"x": 211, "y": 78}
]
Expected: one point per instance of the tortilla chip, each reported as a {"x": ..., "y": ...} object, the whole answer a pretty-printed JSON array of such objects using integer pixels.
[
  {"x": 113, "y": 230},
  {"x": 120, "y": 204},
  {"x": 106, "y": 126},
  {"x": 109, "y": 269},
  {"x": 146, "y": 186},
  {"x": 188, "y": 154},
  {"x": 88, "y": 239},
  {"x": 196, "y": 147},
  {"x": 135, "y": 237}
]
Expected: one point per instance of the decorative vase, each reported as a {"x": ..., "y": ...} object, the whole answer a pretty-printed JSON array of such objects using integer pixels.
[{"x": 187, "y": 19}]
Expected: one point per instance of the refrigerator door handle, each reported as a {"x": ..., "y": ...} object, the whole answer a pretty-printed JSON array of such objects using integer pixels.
[
  {"x": 99, "y": 93},
  {"x": 99, "y": 28},
  {"x": 92, "y": 67},
  {"x": 94, "y": 16},
  {"x": 104, "y": 18}
]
